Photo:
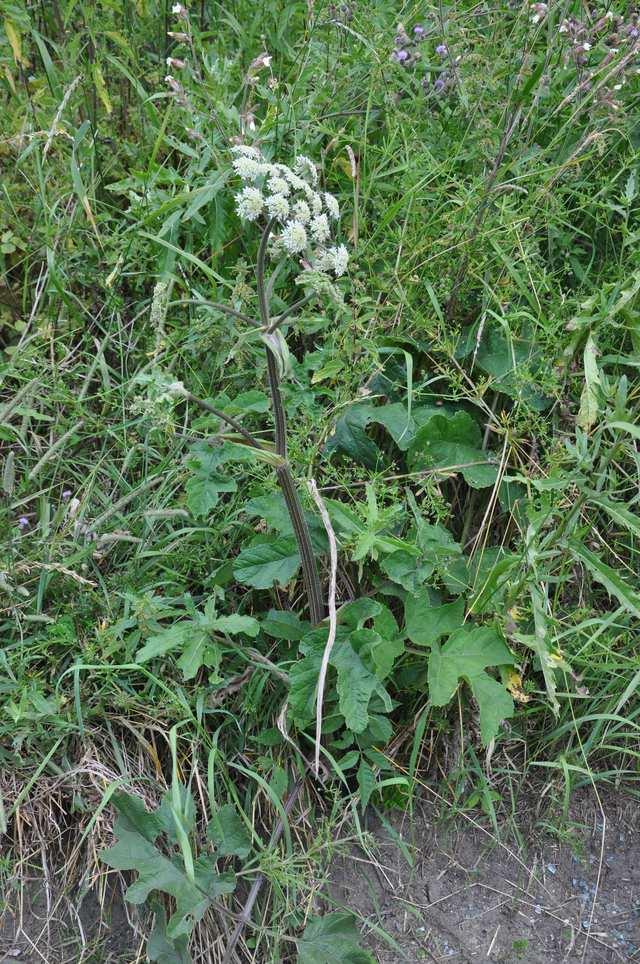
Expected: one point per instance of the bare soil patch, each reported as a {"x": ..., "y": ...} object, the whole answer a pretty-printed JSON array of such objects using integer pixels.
[
  {"x": 458, "y": 894},
  {"x": 427, "y": 891}
]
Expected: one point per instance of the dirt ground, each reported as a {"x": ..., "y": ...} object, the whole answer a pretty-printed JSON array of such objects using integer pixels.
[
  {"x": 425, "y": 892},
  {"x": 437, "y": 894}
]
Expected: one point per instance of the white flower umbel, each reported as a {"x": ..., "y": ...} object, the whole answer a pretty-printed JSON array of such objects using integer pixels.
[
  {"x": 320, "y": 230},
  {"x": 278, "y": 207},
  {"x": 316, "y": 203},
  {"x": 301, "y": 212},
  {"x": 278, "y": 185},
  {"x": 294, "y": 237},
  {"x": 335, "y": 259},
  {"x": 248, "y": 168},
  {"x": 332, "y": 206},
  {"x": 247, "y": 151},
  {"x": 296, "y": 217},
  {"x": 250, "y": 203},
  {"x": 305, "y": 167},
  {"x": 296, "y": 182}
]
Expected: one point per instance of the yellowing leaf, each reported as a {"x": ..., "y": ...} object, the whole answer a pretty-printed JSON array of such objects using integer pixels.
[
  {"x": 15, "y": 39},
  {"x": 589, "y": 402},
  {"x": 10, "y": 79},
  {"x": 101, "y": 88},
  {"x": 514, "y": 685},
  {"x": 345, "y": 165}
]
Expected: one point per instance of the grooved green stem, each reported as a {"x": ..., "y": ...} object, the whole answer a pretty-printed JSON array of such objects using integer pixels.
[{"x": 286, "y": 481}]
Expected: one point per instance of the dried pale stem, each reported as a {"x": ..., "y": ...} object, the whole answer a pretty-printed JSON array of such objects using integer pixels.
[{"x": 331, "y": 638}]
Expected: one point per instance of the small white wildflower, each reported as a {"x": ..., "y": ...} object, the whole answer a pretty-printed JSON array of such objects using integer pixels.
[
  {"x": 332, "y": 206},
  {"x": 320, "y": 230},
  {"x": 296, "y": 182},
  {"x": 278, "y": 206},
  {"x": 316, "y": 203},
  {"x": 336, "y": 260},
  {"x": 301, "y": 212},
  {"x": 178, "y": 10},
  {"x": 564, "y": 27},
  {"x": 278, "y": 185},
  {"x": 246, "y": 150},
  {"x": 586, "y": 45},
  {"x": 306, "y": 168},
  {"x": 247, "y": 168},
  {"x": 294, "y": 237},
  {"x": 249, "y": 203},
  {"x": 263, "y": 60}
]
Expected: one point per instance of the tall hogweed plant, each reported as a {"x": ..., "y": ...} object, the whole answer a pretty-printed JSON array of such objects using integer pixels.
[{"x": 296, "y": 221}]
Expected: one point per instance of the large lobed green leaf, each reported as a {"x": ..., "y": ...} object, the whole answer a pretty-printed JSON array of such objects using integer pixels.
[
  {"x": 453, "y": 443},
  {"x": 465, "y": 656},
  {"x": 332, "y": 939}
]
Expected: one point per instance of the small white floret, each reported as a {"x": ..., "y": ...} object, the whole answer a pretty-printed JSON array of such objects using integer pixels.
[
  {"x": 294, "y": 237},
  {"x": 250, "y": 203}
]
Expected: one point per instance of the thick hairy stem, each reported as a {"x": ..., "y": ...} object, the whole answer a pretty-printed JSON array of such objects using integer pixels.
[
  {"x": 285, "y": 478},
  {"x": 303, "y": 537}
]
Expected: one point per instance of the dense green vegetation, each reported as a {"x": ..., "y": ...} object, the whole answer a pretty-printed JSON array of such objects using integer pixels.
[{"x": 464, "y": 396}]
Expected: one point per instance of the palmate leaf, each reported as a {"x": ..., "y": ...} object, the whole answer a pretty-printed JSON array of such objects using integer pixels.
[
  {"x": 511, "y": 360},
  {"x": 453, "y": 443},
  {"x": 203, "y": 492},
  {"x": 194, "y": 638},
  {"x": 135, "y": 849},
  {"x": 356, "y": 685},
  {"x": 466, "y": 656},
  {"x": 426, "y": 623},
  {"x": 350, "y": 437},
  {"x": 229, "y": 833},
  {"x": 332, "y": 939},
  {"x": 356, "y": 681}
]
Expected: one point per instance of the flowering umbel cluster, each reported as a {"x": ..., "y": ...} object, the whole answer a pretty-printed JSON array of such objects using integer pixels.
[{"x": 302, "y": 213}]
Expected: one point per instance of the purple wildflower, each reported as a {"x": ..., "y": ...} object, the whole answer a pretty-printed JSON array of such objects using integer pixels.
[
  {"x": 442, "y": 50},
  {"x": 23, "y": 522},
  {"x": 66, "y": 494},
  {"x": 634, "y": 32},
  {"x": 439, "y": 85},
  {"x": 400, "y": 56},
  {"x": 419, "y": 31}
]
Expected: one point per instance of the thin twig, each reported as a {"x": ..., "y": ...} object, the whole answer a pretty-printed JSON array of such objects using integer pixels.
[
  {"x": 245, "y": 916},
  {"x": 331, "y": 638},
  {"x": 225, "y": 418},
  {"x": 219, "y": 307},
  {"x": 280, "y": 319}
]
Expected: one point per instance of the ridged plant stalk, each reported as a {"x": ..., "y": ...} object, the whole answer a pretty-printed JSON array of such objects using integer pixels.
[{"x": 310, "y": 575}]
